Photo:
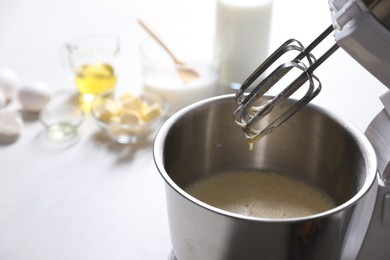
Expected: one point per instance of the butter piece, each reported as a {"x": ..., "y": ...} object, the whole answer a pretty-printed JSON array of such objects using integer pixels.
[
  {"x": 107, "y": 109},
  {"x": 150, "y": 112},
  {"x": 115, "y": 119},
  {"x": 130, "y": 117},
  {"x": 112, "y": 107},
  {"x": 130, "y": 102}
]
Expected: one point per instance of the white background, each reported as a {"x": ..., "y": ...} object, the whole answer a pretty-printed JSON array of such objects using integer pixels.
[{"x": 98, "y": 200}]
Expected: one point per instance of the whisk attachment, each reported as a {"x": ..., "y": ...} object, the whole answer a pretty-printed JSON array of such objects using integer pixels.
[{"x": 253, "y": 111}]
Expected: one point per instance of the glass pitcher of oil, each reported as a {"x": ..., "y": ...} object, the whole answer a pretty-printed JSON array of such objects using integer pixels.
[{"x": 93, "y": 61}]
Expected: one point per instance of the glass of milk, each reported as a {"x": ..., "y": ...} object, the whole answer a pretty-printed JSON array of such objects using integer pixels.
[
  {"x": 160, "y": 73},
  {"x": 242, "y": 31}
]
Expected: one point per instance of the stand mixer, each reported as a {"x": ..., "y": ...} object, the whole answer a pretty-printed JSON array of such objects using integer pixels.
[{"x": 362, "y": 29}]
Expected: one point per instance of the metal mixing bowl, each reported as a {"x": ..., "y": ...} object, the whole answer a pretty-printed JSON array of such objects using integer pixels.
[{"x": 315, "y": 146}]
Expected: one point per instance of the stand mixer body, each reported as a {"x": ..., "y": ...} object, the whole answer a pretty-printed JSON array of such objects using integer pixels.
[
  {"x": 370, "y": 228},
  {"x": 362, "y": 29}
]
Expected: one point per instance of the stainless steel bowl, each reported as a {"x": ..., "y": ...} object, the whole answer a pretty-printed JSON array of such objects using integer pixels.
[{"x": 315, "y": 146}]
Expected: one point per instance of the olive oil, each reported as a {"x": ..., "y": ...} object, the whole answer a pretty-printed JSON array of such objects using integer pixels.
[{"x": 93, "y": 79}]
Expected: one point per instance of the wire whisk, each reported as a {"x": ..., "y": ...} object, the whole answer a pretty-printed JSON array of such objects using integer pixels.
[{"x": 254, "y": 106}]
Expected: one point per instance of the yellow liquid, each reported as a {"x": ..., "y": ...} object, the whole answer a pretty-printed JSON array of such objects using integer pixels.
[{"x": 93, "y": 79}]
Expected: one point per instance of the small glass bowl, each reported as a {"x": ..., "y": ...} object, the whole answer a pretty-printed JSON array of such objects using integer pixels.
[
  {"x": 130, "y": 132},
  {"x": 61, "y": 122}
]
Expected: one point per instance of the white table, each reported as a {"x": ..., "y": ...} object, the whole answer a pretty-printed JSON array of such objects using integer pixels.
[{"x": 96, "y": 199}]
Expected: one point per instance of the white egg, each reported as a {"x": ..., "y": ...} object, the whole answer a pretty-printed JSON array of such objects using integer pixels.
[
  {"x": 34, "y": 96},
  {"x": 11, "y": 125},
  {"x": 9, "y": 83},
  {"x": 3, "y": 100}
]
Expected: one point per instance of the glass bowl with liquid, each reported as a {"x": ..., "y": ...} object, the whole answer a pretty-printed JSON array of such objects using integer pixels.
[
  {"x": 61, "y": 118},
  {"x": 93, "y": 61}
]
